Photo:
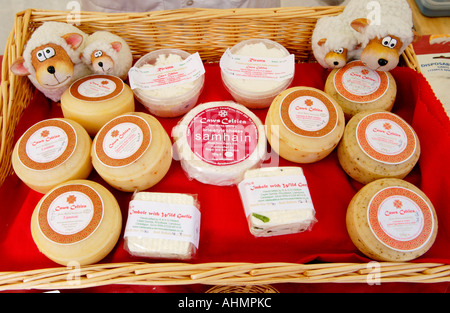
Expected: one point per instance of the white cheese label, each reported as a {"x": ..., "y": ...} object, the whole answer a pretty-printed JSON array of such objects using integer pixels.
[
  {"x": 261, "y": 194},
  {"x": 157, "y": 77},
  {"x": 309, "y": 113},
  {"x": 264, "y": 68},
  {"x": 158, "y": 220},
  {"x": 97, "y": 88}
]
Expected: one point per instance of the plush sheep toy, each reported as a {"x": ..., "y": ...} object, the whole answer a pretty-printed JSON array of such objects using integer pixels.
[
  {"x": 107, "y": 53},
  {"x": 51, "y": 58},
  {"x": 384, "y": 28},
  {"x": 333, "y": 42}
]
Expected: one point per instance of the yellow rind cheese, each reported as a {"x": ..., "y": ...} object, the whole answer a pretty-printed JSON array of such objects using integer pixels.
[
  {"x": 364, "y": 163},
  {"x": 88, "y": 104},
  {"x": 301, "y": 142},
  {"x": 51, "y": 152},
  {"x": 151, "y": 155},
  {"x": 379, "y": 93},
  {"x": 76, "y": 223},
  {"x": 386, "y": 240}
]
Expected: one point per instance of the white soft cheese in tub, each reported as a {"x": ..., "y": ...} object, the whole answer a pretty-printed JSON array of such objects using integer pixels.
[
  {"x": 163, "y": 225},
  {"x": 51, "y": 152},
  {"x": 132, "y": 152},
  {"x": 277, "y": 201}
]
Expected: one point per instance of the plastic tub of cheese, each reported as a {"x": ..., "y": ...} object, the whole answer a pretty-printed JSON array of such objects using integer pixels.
[
  {"x": 304, "y": 125},
  {"x": 163, "y": 225},
  {"x": 378, "y": 144},
  {"x": 132, "y": 152},
  {"x": 357, "y": 88},
  {"x": 254, "y": 71},
  {"x": 95, "y": 99},
  {"x": 391, "y": 220},
  {"x": 277, "y": 201},
  {"x": 77, "y": 223},
  {"x": 216, "y": 142},
  {"x": 168, "y": 82},
  {"x": 51, "y": 152}
]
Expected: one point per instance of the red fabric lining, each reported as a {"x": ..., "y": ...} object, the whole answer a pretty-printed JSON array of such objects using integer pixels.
[{"x": 224, "y": 232}]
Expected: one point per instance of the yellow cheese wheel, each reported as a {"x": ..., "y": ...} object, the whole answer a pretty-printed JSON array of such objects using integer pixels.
[
  {"x": 94, "y": 100},
  {"x": 304, "y": 124},
  {"x": 357, "y": 88},
  {"x": 77, "y": 222},
  {"x": 132, "y": 152},
  {"x": 51, "y": 152},
  {"x": 391, "y": 220},
  {"x": 378, "y": 144}
]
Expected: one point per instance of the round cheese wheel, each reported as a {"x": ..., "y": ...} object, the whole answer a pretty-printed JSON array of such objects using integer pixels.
[
  {"x": 216, "y": 142},
  {"x": 304, "y": 124},
  {"x": 357, "y": 88},
  {"x": 391, "y": 220},
  {"x": 132, "y": 152},
  {"x": 378, "y": 144},
  {"x": 94, "y": 100},
  {"x": 78, "y": 221},
  {"x": 51, "y": 152}
]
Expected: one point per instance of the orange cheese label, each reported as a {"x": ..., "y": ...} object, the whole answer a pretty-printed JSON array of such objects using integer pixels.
[
  {"x": 386, "y": 138},
  {"x": 355, "y": 82},
  {"x": 309, "y": 113},
  {"x": 400, "y": 219},
  {"x": 70, "y": 214},
  {"x": 97, "y": 88},
  {"x": 47, "y": 144},
  {"x": 123, "y": 140}
]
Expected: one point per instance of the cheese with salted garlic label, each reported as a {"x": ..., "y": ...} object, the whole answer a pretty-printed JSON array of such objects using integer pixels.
[
  {"x": 309, "y": 113},
  {"x": 97, "y": 87},
  {"x": 70, "y": 214},
  {"x": 355, "y": 82},
  {"x": 400, "y": 219},
  {"x": 386, "y": 138},
  {"x": 123, "y": 140},
  {"x": 47, "y": 144},
  {"x": 222, "y": 135}
]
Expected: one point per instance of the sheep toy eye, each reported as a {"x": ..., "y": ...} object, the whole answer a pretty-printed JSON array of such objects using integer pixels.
[
  {"x": 340, "y": 50},
  {"x": 49, "y": 52},
  {"x": 393, "y": 43},
  {"x": 98, "y": 54},
  {"x": 41, "y": 56},
  {"x": 389, "y": 42}
]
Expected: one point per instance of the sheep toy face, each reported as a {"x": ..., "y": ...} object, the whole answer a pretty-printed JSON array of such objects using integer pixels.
[
  {"x": 52, "y": 65},
  {"x": 336, "y": 58},
  {"x": 101, "y": 62},
  {"x": 382, "y": 54}
]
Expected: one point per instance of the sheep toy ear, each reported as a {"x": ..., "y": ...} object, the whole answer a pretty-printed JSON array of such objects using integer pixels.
[
  {"x": 73, "y": 39},
  {"x": 360, "y": 24},
  {"x": 321, "y": 42},
  {"x": 117, "y": 46},
  {"x": 18, "y": 67}
]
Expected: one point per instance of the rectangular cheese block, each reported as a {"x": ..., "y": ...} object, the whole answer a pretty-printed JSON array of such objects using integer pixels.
[
  {"x": 277, "y": 201},
  {"x": 163, "y": 225}
]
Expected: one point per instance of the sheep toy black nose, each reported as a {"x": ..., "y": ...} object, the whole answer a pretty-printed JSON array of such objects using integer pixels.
[
  {"x": 382, "y": 62},
  {"x": 100, "y": 64},
  {"x": 51, "y": 69}
]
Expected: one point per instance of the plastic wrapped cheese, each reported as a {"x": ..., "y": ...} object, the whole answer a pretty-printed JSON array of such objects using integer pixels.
[
  {"x": 357, "y": 88},
  {"x": 51, "y": 152},
  {"x": 77, "y": 222},
  {"x": 391, "y": 220},
  {"x": 132, "y": 152},
  {"x": 95, "y": 99},
  {"x": 217, "y": 142},
  {"x": 378, "y": 144},
  {"x": 163, "y": 225},
  {"x": 277, "y": 201},
  {"x": 304, "y": 125}
]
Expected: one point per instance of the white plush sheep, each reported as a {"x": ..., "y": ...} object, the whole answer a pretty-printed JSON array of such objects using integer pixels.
[
  {"x": 107, "y": 53},
  {"x": 51, "y": 58},
  {"x": 384, "y": 28},
  {"x": 333, "y": 42}
]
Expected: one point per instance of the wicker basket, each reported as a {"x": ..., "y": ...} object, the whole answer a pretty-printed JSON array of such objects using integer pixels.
[{"x": 209, "y": 32}]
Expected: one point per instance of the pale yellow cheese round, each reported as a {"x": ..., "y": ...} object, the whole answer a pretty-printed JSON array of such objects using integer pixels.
[
  {"x": 304, "y": 124},
  {"x": 132, "y": 152},
  {"x": 357, "y": 88},
  {"x": 391, "y": 220},
  {"x": 77, "y": 223},
  {"x": 378, "y": 144},
  {"x": 51, "y": 152},
  {"x": 94, "y": 100}
]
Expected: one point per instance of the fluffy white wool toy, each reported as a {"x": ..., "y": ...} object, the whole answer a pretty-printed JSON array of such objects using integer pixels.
[
  {"x": 51, "y": 58},
  {"x": 333, "y": 42},
  {"x": 107, "y": 53},
  {"x": 384, "y": 28}
]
